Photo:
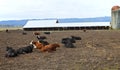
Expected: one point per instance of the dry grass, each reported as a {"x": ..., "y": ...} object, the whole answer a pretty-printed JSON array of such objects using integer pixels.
[
  {"x": 11, "y": 28},
  {"x": 98, "y": 50}
]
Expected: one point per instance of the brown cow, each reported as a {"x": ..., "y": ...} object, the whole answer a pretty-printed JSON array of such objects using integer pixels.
[
  {"x": 37, "y": 44},
  {"x": 50, "y": 47},
  {"x": 42, "y": 48},
  {"x": 36, "y": 33}
]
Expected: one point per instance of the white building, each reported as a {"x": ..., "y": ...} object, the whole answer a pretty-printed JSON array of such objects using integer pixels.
[{"x": 52, "y": 25}]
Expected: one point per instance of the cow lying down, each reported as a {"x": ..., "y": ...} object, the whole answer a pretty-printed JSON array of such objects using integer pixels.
[
  {"x": 27, "y": 49},
  {"x": 10, "y": 52},
  {"x": 46, "y": 48},
  {"x": 41, "y": 40},
  {"x": 68, "y": 42},
  {"x": 50, "y": 47},
  {"x": 13, "y": 53}
]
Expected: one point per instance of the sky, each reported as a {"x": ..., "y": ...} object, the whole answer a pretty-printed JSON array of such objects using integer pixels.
[{"x": 39, "y": 9}]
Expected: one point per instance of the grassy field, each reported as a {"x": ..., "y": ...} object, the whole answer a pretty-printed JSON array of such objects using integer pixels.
[{"x": 97, "y": 50}]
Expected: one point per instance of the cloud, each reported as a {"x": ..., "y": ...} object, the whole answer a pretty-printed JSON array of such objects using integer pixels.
[{"x": 22, "y": 9}]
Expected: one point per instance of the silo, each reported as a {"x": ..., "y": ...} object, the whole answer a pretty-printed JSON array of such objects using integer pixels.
[{"x": 115, "y": 17}]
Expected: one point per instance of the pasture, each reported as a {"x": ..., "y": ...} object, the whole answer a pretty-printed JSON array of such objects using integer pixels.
[{"x": 97, "y": 50}]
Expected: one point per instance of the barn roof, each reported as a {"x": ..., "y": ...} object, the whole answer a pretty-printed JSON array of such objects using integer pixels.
[
  {"x": 39, "y": 23},
  {"x": 52, "y": 23}
]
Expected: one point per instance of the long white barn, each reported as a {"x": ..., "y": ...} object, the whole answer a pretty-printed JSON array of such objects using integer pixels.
[{"x": 52, "y": 25}]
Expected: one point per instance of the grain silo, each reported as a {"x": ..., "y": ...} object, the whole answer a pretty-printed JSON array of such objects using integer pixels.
[{"x": 115, "y": 17}]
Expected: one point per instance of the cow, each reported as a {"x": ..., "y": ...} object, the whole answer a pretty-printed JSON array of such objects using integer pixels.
[
  {"x": 41, "y": 37},
  {"x": 68, "y": 42},
  {"x": 6, "y": 30},
  {"x": 47, "y": 33},
  {"x": 65, "y": 40},
  {"x": 36, "y": 33},
  {"x": 27, "y": 49},
  {"x": 84, "y": 30},
  {"x": 36, "y": 44},
  {"x": 41, "y": 40},
  {"x": 76, "y": 38},
  {"x": 69, "y": 45},
  {"x": 50, "y": 47},
  {"x": 10, "y": 52},
  {"x": 44, "y": 42}
]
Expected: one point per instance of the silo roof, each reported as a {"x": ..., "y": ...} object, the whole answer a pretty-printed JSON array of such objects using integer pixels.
[{"x": 115, "y": 8}]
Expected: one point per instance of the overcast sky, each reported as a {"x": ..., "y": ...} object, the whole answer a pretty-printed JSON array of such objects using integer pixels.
[{"x": 32, "y": 9}]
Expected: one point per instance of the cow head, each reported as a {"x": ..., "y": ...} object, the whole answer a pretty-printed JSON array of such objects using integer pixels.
[{"x": 33, "y": 43}]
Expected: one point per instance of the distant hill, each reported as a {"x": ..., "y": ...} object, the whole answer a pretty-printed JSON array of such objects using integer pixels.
[
  {"x": 20, "y": 23},
  {"x": 13, "y": 23},
  {"x": 97, "y": 19}
]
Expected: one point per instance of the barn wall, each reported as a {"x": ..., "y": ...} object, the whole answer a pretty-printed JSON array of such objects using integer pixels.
[{"x": 67, "y": 28}]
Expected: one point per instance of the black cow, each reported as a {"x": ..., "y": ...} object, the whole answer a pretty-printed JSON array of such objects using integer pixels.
[
  {"x": 76, "y": 38},
  {"x": 43, "y": 42},
  {"x": 69, "y": 45},
  {"x": 41, "y": 37},
  {"x": 84, "y": 30},
  {"x": 65, "y": 40},
  {"x": 27, "y": 49},
  {"x": 6, "y": 30},
  {"x": 10, "y": 52},
  {"x": 68, "y": 42},
  {"x": 47, "y": 33}
]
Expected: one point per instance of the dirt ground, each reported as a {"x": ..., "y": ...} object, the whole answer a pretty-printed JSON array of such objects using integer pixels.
[{"x": 98, "y": 50}]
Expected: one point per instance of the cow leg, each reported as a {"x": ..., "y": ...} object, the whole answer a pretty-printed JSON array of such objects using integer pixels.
[
  {"x": 54, "y": 49},
  {"x": 49, "y": 50}
]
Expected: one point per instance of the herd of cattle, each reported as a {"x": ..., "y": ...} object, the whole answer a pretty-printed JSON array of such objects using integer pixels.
[{"x": 41, "y": 44}]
